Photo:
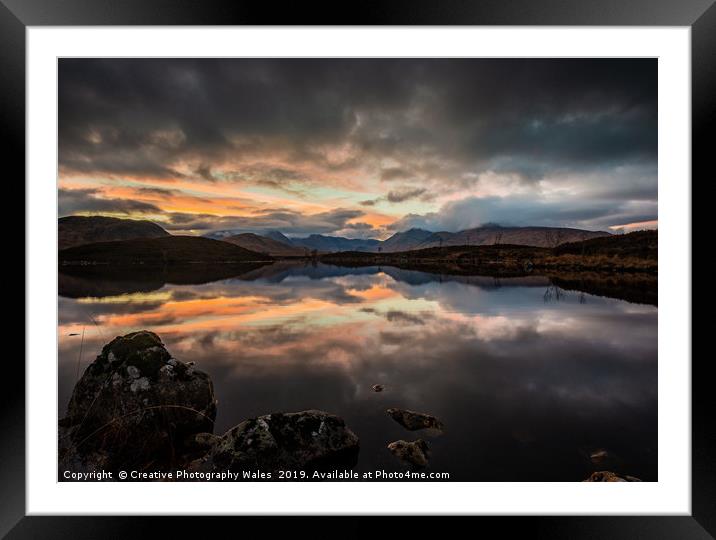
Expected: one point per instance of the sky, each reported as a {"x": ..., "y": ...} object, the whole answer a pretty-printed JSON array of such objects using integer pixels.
[{"x": 360, "y": 148}]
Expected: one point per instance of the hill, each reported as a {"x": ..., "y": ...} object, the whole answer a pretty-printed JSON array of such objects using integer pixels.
[
  {"x": 79, "y": 230},
  {"x": 634, "y": 252},
  {"x": 641, "y": 244},
  {"x": 263, "y": 244},
  {"x": 159, "y": 251},
  {"x": 494, "y": 235}
]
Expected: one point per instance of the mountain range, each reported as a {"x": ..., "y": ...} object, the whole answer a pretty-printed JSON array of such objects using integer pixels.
[
  {"x": 79, "y": 230},
  {"x": 320, "y": 242},
  {"x": 278, "y": 244}
]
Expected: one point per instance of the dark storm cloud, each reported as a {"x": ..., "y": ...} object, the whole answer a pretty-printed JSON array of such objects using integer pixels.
[
  {"x": 402, "y": 317},
  {"x": 74, "y": 201},
  {"x": 264, "y": 172},
  {"x": 163, "y": 192},
  {"x": 401, "y": 195},
  {"x": 140, "y": 116},
  {"x": 282, "y": 178},
  {"x": 523, "y": 211},
  {"x": 405, "y": 194},
  {"x": 285, "y": 220},
  {"x": 204, "y": 171},
  {"x": 394, "y": 173},
  {"x": 359, "y": 226}
]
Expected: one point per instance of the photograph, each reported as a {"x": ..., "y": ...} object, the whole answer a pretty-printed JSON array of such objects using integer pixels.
[{"x": 357, "y": 269}]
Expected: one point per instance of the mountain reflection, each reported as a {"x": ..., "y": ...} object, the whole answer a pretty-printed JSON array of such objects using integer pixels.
[{"x": 524, "y": 386}]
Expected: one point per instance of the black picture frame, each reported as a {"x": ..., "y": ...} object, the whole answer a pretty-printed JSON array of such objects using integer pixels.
[{"x": 16, "y": 15}]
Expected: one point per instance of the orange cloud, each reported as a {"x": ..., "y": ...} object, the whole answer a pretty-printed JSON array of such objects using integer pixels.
[{"x": 636, "y": 226}]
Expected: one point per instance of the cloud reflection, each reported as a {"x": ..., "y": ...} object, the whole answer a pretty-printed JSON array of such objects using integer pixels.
[{"x": 507, "y": 373}]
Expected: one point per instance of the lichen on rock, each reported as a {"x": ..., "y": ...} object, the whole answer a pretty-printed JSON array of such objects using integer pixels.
[
  {"x": 135, "y": 405},
  {"x": 306, "y": 440}
]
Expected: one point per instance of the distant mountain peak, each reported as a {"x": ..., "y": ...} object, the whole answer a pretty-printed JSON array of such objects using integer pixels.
[
  {"x": 407, "y": 240},
  {"x": 277, "y": 235},
  {"x": 265, "y": 244}
]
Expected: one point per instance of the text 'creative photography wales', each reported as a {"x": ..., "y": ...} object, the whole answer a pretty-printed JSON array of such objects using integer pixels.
[{"x": 357, "y": 269}]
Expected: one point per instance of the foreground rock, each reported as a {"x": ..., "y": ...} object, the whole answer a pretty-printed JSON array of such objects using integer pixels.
[
  {"x": 308, "y": 440},
  {"x": 415, "y": 453},
  {"x": 135, "y": 406},
  {"x": 608, "y": 476},
  {"x": 413, "y": 421}
]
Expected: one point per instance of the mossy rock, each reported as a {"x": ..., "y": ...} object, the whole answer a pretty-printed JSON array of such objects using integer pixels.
[
  {"x": 143, "y": 350},
  {"x": 138, "y": 405},
  {"x": 301, "y": 441}
]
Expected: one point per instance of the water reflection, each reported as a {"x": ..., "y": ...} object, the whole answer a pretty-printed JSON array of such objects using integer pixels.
[{"x": 526, "y": 387}]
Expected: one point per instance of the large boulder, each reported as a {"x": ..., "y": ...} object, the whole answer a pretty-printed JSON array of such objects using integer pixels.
[
  {"x": 301, "y": 441},
  {"x": 135, "y": 406}
]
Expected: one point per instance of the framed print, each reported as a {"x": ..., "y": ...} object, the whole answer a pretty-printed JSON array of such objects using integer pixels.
[{"x": 426, "y": 261}]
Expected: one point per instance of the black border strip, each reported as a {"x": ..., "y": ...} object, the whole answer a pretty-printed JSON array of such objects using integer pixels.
[
  {"x": 15, "y": 15},
  {"x": 394, "y": 12},
  {"x": 703, "y": 125},
  {"x": 12, "y": 398}
]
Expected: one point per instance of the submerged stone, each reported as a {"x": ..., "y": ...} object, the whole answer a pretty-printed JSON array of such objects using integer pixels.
[
  {"x": 602, "y": 458},
  {"x": 416, "y": 452},
  {"x": 599, "y": 456},
  {"x": 309, "y": 440},
  {"x": 413, "y": 421},
  {"x": 377, "y": 388}
]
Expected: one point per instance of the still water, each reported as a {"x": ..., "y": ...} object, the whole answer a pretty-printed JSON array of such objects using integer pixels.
[{"x": 529, "y": 379}]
